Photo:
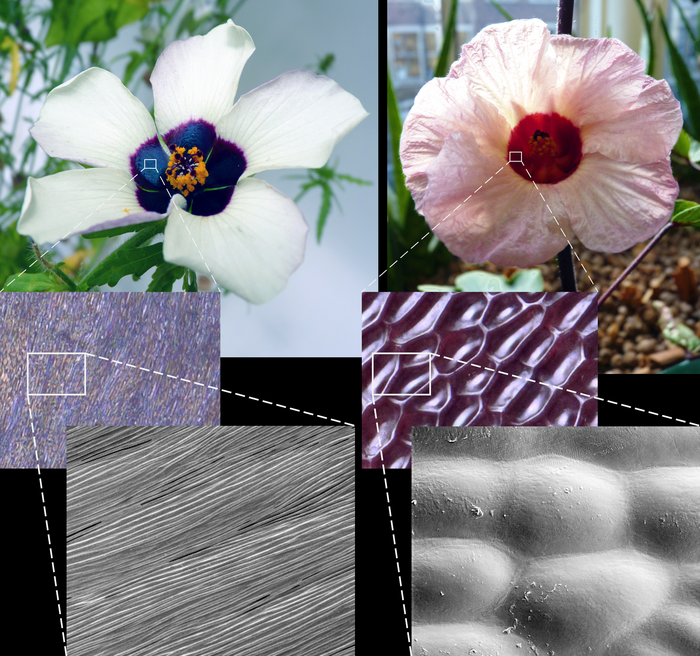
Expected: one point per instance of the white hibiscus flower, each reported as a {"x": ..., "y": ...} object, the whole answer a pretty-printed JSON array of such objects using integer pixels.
[{"x": 250, "y": 236}]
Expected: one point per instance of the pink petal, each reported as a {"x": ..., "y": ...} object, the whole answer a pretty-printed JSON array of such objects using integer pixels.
[
  {"x": 505, "y": 222},
  {"x": 513, "y": 66},
  {"x": 628, "y": 137},
  {"x": 442, "y": 106},
  {"x": 597, "y": 78},
  {"x": 613, "y": 205}
]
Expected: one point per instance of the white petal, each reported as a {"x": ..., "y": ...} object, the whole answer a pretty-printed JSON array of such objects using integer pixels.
[
  {"x": 613, "y": 205},
  {"x": 198, "y": 78},
  {"x": 293, "y": 121},
  {"x": 513, "y": 66},
  {"x": 73, "y": 202},
  {"x": 251, "y": 248},
  {"x": 93, "y": 119}
]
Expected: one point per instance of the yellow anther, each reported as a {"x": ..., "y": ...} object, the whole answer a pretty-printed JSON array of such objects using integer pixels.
[
  {"x": 185, "y": 170},
  {"x": 541, "y": 145}
]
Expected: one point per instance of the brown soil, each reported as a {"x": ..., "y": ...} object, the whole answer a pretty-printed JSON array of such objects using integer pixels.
[{"x": 628, "y": 333}]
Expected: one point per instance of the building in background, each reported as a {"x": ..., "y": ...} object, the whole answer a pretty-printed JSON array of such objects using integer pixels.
[{"x": 414, "y": 35}]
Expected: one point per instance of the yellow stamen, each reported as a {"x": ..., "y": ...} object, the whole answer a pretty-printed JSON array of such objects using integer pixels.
[
  {"x": 540, "y": 145},
  {"x": 184, "y": 171}
]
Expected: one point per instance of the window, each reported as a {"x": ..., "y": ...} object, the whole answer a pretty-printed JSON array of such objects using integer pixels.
[
  {"x": 465, "y": 33},
  {"x": 406, "y": 55},
  {"x": 433, "y": 43}
]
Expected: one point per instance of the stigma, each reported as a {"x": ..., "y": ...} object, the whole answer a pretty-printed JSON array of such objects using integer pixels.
[{"x": 186, "y": 169}]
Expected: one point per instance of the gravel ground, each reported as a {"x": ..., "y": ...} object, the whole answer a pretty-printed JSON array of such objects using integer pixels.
[{"x": 629, "y": 334}]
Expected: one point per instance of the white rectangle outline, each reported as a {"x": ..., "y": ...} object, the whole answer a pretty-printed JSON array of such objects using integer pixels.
[
  {"x": 59, "y": 353},
  {"x": 430, "y": 372}
]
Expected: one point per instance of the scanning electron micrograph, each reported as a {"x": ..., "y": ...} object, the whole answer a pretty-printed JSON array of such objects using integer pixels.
[
  {"x": 473, "y": 359},
  {"x": 556, "y": 541},
  {"x": 103, "y": 359},
  {"x": 211, "y": 540}
]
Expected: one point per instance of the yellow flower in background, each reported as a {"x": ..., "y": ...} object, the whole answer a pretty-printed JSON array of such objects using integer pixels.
[{"x": 10, "y": 44}]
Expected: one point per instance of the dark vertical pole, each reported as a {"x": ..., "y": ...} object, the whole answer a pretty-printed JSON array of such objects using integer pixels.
[{"x": 565, "y": 19}]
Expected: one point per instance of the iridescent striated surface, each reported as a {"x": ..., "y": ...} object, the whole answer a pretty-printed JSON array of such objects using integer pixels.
[{"x": 548, "y": 337}]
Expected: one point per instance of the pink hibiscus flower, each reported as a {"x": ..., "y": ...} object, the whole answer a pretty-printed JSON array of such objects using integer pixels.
[{"x": 595, "y": 135}]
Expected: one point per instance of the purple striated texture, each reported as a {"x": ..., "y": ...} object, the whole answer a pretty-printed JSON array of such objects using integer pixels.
[
  {"x": 175, "y": 334},
  {"x": 548, "y": 337}
]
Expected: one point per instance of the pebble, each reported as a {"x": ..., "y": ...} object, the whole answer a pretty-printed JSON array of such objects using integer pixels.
[{"x": 646, "y": 345}]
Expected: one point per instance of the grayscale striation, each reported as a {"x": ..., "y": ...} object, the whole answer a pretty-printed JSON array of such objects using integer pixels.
[{"x": 210, "y": 540}]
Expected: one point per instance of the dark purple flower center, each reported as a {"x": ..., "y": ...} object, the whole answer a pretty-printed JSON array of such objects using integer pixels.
[{"x": 159, "y": 176}]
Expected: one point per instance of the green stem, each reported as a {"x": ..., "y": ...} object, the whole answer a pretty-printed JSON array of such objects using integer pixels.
[
  {"x": 142, "y": 237},
  {"x": 56, "y": 270}
]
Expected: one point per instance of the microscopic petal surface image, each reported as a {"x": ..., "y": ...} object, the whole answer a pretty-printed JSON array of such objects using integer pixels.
[
  {"x": 116, "y": 359},
  {"x": 557, "y": 541},
  {"x": 204, "y": 541},
  {"x": 482, "y": 359}
]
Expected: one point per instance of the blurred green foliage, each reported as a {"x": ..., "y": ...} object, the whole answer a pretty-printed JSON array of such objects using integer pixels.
[
  {"x": 526, "y": 280},
  {"x": 77, "y": 21}
]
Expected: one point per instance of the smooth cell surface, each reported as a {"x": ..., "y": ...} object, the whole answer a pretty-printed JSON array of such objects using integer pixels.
[
  {"x": 557, "y": 541},
  {"x": 484, "y": 352}
]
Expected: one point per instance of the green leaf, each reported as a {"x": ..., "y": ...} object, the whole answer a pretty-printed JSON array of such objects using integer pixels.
[
  {"x": 686, "y": 212},
  {"x": 436, "y": 288},
  {"x": 502, "y": 11},
  {"x": 349, "y": 178},
  {"x": 413, "y": 251},
  {"x": 323, "y": 213},
  {"x": 131, "y": 261},
  {"x": 682, "y": 146},
  {"x": 442, "y": 63},
  {"x": 164, "y": 277},
  {"x": 649, "y": 29},
  {"x": 687, "y": 88},
  {"x": 14, "y": 252},
  {"x": 76, "y": 21},
  {"x": 189, "y": 283},
  {"x": 135, "y": 61},
  {"x": 395, "y": 131},
  {"x": 121, "y": 230},
  {"x": 34, "y": 282},
  {"x": 325, "y": 63},
  {"x": 680, "y": 334},
  {"x": 686, "y": 367},
  {"x": 688, "y": 29},
  {"x": 529, "y": 280}
]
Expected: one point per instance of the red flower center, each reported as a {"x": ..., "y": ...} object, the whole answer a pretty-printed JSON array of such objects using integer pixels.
[{"x": 550, "y": 145}]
